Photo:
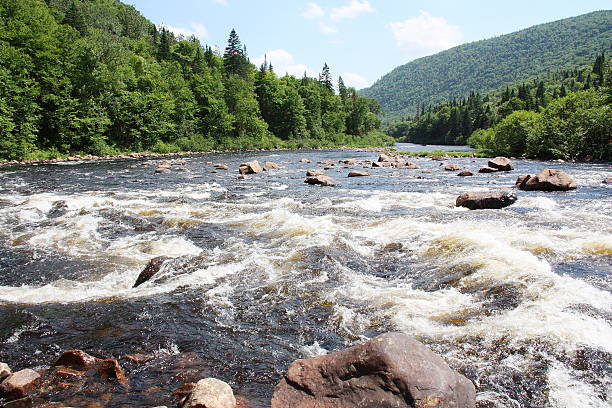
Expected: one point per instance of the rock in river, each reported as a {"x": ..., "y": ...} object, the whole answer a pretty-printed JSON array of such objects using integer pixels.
[
  {"x": 392, "y": 370},
  {"x": 547, "y": 180},
  {"x": 357, "y": 173},
  {"x": 320, "y": 180},
  {"x": 465, "y": 173},
  {"x": 251, "y": 167},
  {"x": 482, "y": 200},
  {"x": 452, "y": 167},
  {"x": 314, "y": 173},
  {"x": 211, "y": 393},
  {"x": 271, "y": 166},
  {"x": 151, "y": 269},
  {"x": 76, "y": 359},
  {"x": 17, "y": 385},
  {"x": 500, "y": 164}
]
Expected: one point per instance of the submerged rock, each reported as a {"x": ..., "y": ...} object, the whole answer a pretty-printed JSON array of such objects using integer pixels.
[
  {"x": 17, "y": 385},
  {"x": 392, "y": 370},
  {"x": 320, "y": 180},
  {"x": 500, "y": 164},
  {"x": 251, "y": 167},
  {"x": 211, "y": 393},
  {"x": 482, "y": 200},
  {"x": 151, "y": 269},
  {"x": 547, "y": 180},
  {"x": 58, "y": 209},
  {"x": 357, "y": 173},
  {"x": 110, "y": 369}
]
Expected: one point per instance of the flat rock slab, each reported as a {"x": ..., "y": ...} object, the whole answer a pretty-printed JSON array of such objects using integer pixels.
[
  {"x": 392, "y": 370},
  {"x": 17, "y": 385},
  {"x": 483, "y": 200},
  {"x": 357, "y": 173}
]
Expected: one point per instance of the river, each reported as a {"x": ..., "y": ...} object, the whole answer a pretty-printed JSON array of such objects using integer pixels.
[{"x": 270, "y": 269}]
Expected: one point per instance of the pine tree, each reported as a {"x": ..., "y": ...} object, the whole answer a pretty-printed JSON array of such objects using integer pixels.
[
  {"x": 234, "y": 59},
  {"x": 74, "y": 17},
  {"x": 540, "y": 92},
  {"x": 342, "y": 91},
  {"x": 599, "y": 69},
  {"x": 325, "y": 78},
  {"x": 163, "y": 52}
]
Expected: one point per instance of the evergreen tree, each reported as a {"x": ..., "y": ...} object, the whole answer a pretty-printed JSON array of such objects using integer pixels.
[
  {"x": 342, "y": 91},
  {"x": 325, "y": 78},
  {"x": 163, "y": 52},
  {"x": 235, "y": 61},
  {"x": 74, "y": 17}
]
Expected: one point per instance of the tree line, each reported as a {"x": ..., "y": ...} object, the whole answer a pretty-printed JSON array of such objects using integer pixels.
[
  {"x": 497, "y": 122},
  {"x": 96, "y": 77}
]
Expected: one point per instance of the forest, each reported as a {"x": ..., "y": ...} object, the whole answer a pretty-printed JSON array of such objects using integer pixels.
[
  {"x": 489, "y": 64},
  {"x": 564, "y": 114},
  {"x": 96, "y": 77}
]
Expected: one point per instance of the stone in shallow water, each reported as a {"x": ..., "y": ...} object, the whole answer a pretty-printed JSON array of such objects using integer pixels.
[
  {"x": 501, "y": 164},
  {"x": 5, "y": 371},
  {"x": 18, "y": 384},
  {"x": 211, "y": 393},
  {"x": 150, "y": 270},
  {"x": 392, "y": 370},
  {"x": 483, "y": 200},
  {"x": 547, "y": 180},
  {"x": 75, "y": 359}
]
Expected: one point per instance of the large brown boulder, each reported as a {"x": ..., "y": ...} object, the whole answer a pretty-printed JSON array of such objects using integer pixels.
[
  {"x": 547, "y": 180},
  {"x": 483, "y": 200},
  {"x": 501, "y": 164},
  {"x": 150, "y": 270},
  {"x": 320, "y": 180},
  {"x": 211, "y": 393},
  {"x": 17, "y": 385},
  {"x": 76, "y": 359},
  {"x": 392, "y": 370},
  {"x": 251, "y": 167}
]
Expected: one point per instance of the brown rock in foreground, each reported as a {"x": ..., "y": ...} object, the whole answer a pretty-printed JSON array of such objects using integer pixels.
[
  {"x": 547, "y": 180},
  {"x": 76, "y": 359},
  {"x": 251, "y": 167},
  {"x": 5, "y": 371},
  {"x": 150, "y": 270},
  {"x": 392, "y": 370},
  {"x": 17, "y": 385},
  {"x": 211, "y": 393},
  {"x": 486, "y": 200},
  {"x": 320, "y": 180},
  {"x": 357, "y": 173},
  {"x": 501, "y": 164}
]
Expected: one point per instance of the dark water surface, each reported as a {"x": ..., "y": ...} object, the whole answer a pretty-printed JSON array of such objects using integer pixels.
[{"x": 270, "y": 269}]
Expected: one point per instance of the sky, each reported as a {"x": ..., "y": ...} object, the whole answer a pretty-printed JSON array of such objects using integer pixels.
[{"x": 360, "y": 40}]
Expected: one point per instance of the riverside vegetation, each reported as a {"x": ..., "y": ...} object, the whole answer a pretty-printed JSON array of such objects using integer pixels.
[{"x": 96, "y": 77}]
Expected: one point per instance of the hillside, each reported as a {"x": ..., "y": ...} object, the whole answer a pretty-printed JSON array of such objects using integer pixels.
[{"x": 489, "y": 64}]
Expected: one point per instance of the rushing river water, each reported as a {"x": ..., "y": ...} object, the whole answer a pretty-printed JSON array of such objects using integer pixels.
[{"x": 270, "y": 269}]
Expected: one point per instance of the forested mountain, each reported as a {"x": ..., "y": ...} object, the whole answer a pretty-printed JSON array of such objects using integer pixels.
[
  {"x": 489, "y": 64},
  {"x": 95, "y": 76}
]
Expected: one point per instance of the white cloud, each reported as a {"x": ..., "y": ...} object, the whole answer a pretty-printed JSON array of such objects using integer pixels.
[
  {"x": 354, "y": 80},
  {"x": 283, "y": 62},
  {"x": 197, "y": 30},
  {"x": 327, "y": 29},
  {"x": 353, "y": 10},
  {"x": 222, "y": 2},
  {"x": 313, "y": 10},
  {"x": 425, "y": 34}
]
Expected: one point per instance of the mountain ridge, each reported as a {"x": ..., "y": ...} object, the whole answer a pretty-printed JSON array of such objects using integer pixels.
[{"x": 488, "y": 64}]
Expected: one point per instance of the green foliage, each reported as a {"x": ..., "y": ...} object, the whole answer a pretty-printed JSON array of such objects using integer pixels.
[
  {"x": 489, "y": 64},
  {"x": 94, "y": 76}
]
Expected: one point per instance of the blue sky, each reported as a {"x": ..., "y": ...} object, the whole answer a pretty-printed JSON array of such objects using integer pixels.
[{"x": 359, "y": 39}]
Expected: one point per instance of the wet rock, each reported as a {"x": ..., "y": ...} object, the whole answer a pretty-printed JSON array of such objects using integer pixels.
[
  {"x": 150, "y": 270},
  {"x": 451, "y": 167},
  {"x": 20, "y": 403},
  {"x": 522, "y": 179},
  {"x": 357, "y": 173},
  {"x": 304, "y": 161},
  {"x": 438, "y": 158},
  {"x": 381, "y": 164},
  {"x": 65, "y": 373},
  {"x": 410, "y": 166},
  {"x": 320, "y": 180},
  {"x": 211, "y": 393},
  {"x": 251, "y": 167},
  {"x": 138, "y": 358},
  {"x": 75, "y": 359},
  {"x": 5, "y": 371},
  {"x": 547, "y": 180},
  {"x": 488, "y": 170},
  {"x": 314, "y": 173},
  {"x": 179, "y": 163},
  {"x": 500, "y": 164},
  {"x": 482, "y": 200},
  {"x": 17, "y": 385},
  {"x": 465, "y": 173},
  {"x": 58, "y": 209},
  {"x": 271, "y": 166},
  {"x": 222, "y": 166},
  {"x": 350, "y": 162},
  {"x": 392, "y": 370},
  {"x": 110, "y": 369},
  {"x": 162, "y": 170}
]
